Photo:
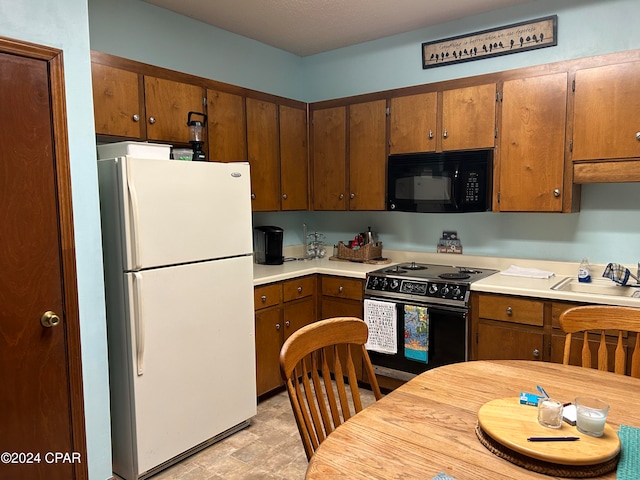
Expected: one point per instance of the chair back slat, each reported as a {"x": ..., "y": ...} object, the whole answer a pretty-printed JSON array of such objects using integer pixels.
[
  {"x": 635, "y": 358},
  {"x": 316, "y": 376},
  {"x": 604, "y": 320}
]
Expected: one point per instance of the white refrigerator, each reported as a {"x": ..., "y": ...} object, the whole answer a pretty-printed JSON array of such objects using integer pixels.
[{"x": 177, "y": 242}]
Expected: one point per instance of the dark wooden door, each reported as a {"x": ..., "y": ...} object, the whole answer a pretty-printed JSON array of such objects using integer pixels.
[{"x": 41, "y": 419}]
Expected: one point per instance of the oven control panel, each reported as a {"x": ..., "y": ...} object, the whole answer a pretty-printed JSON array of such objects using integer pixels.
[{"x": 398, "y": 287}]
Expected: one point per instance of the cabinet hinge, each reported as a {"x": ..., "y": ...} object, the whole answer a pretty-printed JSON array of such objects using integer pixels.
[
  {"x": 573, "y": 85},
  {"x": 388, "y": 111},
  {"x": 204, "y": 101},
  {"x": 495, "y": 133},
  {"x": 548, "y": 349},
  {"x": 498, "y": 197},
  {"x": 571, "y": 145},
  {"x": 498, "y": 96}
]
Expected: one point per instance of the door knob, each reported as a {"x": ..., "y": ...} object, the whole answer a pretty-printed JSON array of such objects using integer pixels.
[{"x": 49, "y": 319}]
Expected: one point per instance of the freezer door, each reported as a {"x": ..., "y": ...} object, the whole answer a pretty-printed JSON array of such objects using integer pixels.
[
  {"x": 192, "y": 351},
  {"x": 176, "y": 212}
]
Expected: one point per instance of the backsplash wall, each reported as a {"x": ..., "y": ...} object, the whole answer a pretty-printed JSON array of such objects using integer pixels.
[{"x": 607, "y": 228}]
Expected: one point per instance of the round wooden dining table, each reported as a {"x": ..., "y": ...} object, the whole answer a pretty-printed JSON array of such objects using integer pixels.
[{"x": 427, "y": 426}]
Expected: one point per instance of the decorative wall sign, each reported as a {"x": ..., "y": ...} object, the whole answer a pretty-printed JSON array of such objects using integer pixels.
[{"x": 519, "y": 37}]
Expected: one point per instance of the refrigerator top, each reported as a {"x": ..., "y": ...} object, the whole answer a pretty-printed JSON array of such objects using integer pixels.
[{"x": 167, "y": 212}]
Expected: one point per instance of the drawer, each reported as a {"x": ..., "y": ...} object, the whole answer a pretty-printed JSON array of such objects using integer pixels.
[
  {"x": 556, "y": 310},
  {"x": 342, "y": 287},
  {"x": 510, "y": 309},
  {"x": 267, "y": 295},
  {"x": 299, "y": 288}
]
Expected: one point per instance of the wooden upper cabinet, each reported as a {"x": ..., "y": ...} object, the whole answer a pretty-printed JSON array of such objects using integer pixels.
[
  {"x": 226, "y": 123},
  {"x": 413, "y": 123},
  {"x": 117, "y": 102},
  {"x": 168, "y": 104},
  {"x": 532, "y": 144},
  {"x": 329, "y": 158},
  {"x": 263, "y": 154},
  {"x": 469, "y": 117},
  {"x": 606, "y": 119},
  {"x": 294, "y": 172},
  {"x": 367, "y": 155}
]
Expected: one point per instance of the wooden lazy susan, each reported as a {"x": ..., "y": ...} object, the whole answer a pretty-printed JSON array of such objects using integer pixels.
[{"x": 505, "y": 424}]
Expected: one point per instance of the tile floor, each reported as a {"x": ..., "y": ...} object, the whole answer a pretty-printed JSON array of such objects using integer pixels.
[{"x": 270, "y": 449}]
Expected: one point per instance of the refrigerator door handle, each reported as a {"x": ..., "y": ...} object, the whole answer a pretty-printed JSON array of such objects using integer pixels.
[
  {"x": 133, "y": 210},
  {"x": 139, "y": 321}
]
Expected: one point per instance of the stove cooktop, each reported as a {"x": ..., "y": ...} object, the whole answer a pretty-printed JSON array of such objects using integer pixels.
[
  {"x": 441, "y": 284},
  {"x": 434, "y": 272}
]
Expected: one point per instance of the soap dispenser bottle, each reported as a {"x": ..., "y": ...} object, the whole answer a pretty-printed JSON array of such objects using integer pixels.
[{"x": 584, "y": 271}]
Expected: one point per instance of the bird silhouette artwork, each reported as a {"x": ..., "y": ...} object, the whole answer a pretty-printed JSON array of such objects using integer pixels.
[{"x": 511, "y": 39}]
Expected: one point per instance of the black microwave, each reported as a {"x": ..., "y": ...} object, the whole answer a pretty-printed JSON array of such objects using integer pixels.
[{"x": 446, "y": 182}]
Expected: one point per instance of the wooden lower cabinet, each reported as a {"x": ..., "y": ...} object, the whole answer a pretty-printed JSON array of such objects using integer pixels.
[
  {"x": 280, "y": 309},
  {"x": 508, "y": 328}
]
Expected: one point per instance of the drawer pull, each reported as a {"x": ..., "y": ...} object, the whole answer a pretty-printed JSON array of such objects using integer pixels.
[
  {"x": 509, "y": 311},
  {"x": 340, "y": 289},
  {"x": 277, "y": 326},
  {"x": 299, "y": 289},
  {"x": 536, "y": 352},
  {"x": 263, "y": 298},
  {"x": 287, "y": 324}
]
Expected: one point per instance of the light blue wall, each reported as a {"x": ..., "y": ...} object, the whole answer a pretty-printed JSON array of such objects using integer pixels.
[
  {"x": 146, "y": 33},
  {"x": 63, "y": 24},
  {"x": 585, "y": 28}
]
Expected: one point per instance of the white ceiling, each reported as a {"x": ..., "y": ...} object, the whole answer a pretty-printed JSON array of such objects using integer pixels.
[{"x": 307, "y": 27}]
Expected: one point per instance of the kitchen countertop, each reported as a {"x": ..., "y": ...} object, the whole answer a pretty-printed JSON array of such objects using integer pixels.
[{"x": 497, "y": 283}]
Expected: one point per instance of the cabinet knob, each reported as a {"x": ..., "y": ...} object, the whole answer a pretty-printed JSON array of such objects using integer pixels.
[
  {"x": 340, "y": 288},
  {"x": 352, "y": 196},
  {"x": 509, "y": 311},
  {"x": 430, "y": 133},
  {"x": 638, "y": 136},
  {"x": 284, "y": 196},
  {"x": 136, "y": 117},
  {"x": 263, "y": 298},
  {"x": 536, "y": 352},
  {"x": 444, "y": 133},
  {"x": 556, "y": 192},
  {"x": 287, "y": 324},
  {"x": 341, "y": 196},
  {"x": 299, "y": 289},
  {"x": 152, "y": 120},
  {"x": 277, "y": 326},
  {"x": 253, "y": 196}
]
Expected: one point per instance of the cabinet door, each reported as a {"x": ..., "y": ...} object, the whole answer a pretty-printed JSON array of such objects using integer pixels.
[
  {"x": 413, "y": 123},
  {"x": 227, "y": 129},
  {"x": 367, "y": 155},
  {"x": 263, "y": 150},
  {"x": 469, "y": 117},
  {"x": 294, "y": 173},
  {"x": 329, "y": 158},
  {"x": 605, "y": 118},
  {"x": 116, "y": 102},
  {"x": 298, "y": 314},
  {"x": 269, "y": 333},
  {"x": 532, "y": 144},
  {"x": 507, "y": 342},
  {"x": 168, "y": 104}
]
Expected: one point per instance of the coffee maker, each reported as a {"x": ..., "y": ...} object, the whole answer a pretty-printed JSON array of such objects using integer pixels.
[{"x": 267, "y": 244}]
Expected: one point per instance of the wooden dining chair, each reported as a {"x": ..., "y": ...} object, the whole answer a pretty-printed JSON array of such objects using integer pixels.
[
  {"x": 603, "y": 318},
  {"x": 318, "y": 365}
]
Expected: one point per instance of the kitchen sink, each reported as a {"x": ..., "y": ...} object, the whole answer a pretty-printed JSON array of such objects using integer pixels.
[{"x": 597, "y": 286}]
